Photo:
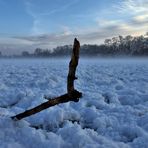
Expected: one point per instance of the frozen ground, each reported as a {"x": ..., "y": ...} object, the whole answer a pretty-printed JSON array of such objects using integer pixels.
[{"x": 113, "y": 112}]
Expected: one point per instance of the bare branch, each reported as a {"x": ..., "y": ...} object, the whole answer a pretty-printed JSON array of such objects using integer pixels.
[
  {"x": 72, "y": 66},
  {"x": 58, "y": 100},
  {"x": 72, "y": 95}
]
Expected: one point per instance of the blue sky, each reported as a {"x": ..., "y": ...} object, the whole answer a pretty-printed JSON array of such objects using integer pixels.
[{"x": 27, "y": 24}]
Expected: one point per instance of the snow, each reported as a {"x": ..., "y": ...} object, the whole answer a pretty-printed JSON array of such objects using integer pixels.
[{"x": 113, "y": 111}]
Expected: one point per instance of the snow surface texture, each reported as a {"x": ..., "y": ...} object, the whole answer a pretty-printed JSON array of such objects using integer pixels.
[{"x": 113, "y": 112}]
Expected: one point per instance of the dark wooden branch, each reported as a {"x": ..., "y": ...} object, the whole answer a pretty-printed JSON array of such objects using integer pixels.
[
  {"x": 72, "y": 94},
  {"x": 58, "y": 100},
  {"x": 72, "y": 66}
]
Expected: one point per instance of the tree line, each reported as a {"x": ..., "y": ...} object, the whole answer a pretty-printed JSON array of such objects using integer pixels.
[
  {"x": 128, "y": 45},
  {"x": 115, "y": 46}
]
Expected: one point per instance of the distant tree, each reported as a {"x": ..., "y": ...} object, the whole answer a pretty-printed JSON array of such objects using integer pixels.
[
  {"x": 62, "y": 50},
  {"x": 108, "y": 42},
  {"x": 38, "y": 52},
  {"x": 25, "y": 54},
  {"x": 45, "y": 53},
  {"x": 146, "y": 34},
  {"x": 0, "y": 53}
]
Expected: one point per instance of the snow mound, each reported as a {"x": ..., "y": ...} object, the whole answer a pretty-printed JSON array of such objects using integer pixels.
[{"x": 112, "y": 113}]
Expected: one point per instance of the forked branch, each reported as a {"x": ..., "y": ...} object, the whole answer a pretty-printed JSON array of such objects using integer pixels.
[{"x": 71, "y": 95}]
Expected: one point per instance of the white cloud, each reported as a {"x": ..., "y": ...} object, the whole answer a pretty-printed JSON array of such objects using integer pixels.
[
  {"x": 141, "y": 18},
  {"x": 66, "y": 30},
  {"x": 132, "y": 6},
  {"x": 107, "y": 23},
  {"x": 127, "y": 16}
]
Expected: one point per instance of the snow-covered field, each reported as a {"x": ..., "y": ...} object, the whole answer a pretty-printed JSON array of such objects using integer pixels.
[{"x": 113, "y": 112}]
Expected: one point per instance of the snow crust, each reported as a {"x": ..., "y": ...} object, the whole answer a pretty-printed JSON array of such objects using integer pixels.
[{"x": 113, "y": 112}]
